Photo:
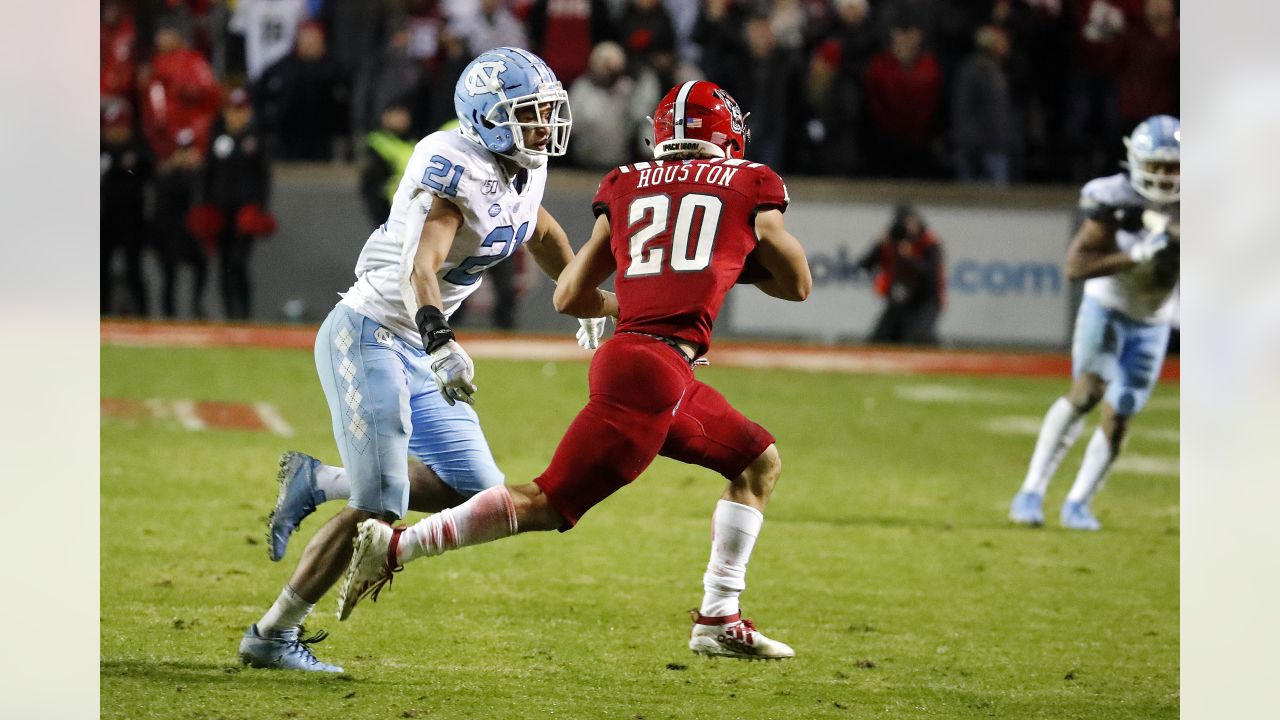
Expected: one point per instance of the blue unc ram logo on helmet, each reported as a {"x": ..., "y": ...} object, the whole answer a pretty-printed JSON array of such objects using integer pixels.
[
  {"x": 1154, "y": 163},
  {"x": 504, "y": 92}
]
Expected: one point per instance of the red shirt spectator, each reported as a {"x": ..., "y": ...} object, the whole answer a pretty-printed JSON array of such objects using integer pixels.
[
  {"x": 1147, "y": 75},
  {"x": 903, "y": 86},
  {"x": 565, "y": 31},
  {"x": 119, "y": 52},
  {"x": 1098, "y": 24},
  {"x": 180, "y": 91}
]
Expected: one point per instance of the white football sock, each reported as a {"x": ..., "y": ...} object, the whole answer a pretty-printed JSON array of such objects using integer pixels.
[
  {"x": 288, "y": 612},
  {"x": 1097, "y": 461},
  {"x": 1062, "y": 425},
  {"x": 333, "y": 482},
  {"x": 734, "y": 528},
  {"x": 488, "y": 515}
]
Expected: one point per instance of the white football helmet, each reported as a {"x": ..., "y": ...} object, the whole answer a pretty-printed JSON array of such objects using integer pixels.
[{"x": 1154, "y": 164}]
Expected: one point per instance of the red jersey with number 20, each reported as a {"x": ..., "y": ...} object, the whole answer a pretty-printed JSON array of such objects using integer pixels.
[{"x": 681, "y": 231}]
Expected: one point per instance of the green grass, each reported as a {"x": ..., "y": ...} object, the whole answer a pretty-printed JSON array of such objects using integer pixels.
[{"x": 886, "y": 562}]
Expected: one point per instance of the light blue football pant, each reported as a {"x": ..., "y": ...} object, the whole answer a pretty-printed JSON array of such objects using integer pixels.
[
  {"x": 385, "y": 406},
  {"x": 1126, "y": 353}
]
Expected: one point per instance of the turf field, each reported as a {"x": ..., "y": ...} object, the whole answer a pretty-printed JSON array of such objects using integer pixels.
[{"x": 886, "y": 561}]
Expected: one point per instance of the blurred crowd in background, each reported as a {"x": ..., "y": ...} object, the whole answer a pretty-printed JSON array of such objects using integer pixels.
[{"x": 198, "y": 96}]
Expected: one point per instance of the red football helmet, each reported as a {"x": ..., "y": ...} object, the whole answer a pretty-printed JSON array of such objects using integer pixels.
[{"x": 700, "y": 117}]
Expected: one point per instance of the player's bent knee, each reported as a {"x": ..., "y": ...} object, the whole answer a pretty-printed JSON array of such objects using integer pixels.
[
  {"x": 763, "y": 472},
  {"x": 534, "y": 510},
  {"x": 1086, "y": 392}
]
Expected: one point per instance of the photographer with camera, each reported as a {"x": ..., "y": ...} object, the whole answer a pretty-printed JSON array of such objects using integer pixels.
[{"x": 907, "y": 261}]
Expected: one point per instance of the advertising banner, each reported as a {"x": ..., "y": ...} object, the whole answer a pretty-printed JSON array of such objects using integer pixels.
[{"x": 1004, "y": 270}]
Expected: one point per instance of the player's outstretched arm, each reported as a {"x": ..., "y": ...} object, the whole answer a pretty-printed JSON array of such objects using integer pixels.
[
  {"x": 578, "y": 290},
  {"x": 550, "y": 248},
  {"x": 1094, "y": 253},
  {"x": 783, "y": 256},
  {"x": 549, "y": 245}
]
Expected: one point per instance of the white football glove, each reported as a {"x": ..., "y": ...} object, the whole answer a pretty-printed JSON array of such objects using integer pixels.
[
  {"x": 1147, "y": 248},
  {"x": 591, "y": 331},
  {"x": 453, "y": 372}
]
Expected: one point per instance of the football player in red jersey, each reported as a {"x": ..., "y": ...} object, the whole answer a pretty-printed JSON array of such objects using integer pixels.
[{"x": 678, "y": 232}]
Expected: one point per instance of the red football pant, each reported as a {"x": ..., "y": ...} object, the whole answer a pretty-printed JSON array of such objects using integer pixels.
[{"x": 644, "y": 402}]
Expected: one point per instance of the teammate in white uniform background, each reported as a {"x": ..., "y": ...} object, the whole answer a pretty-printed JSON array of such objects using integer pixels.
[
  {"x": 1127, "y": 248},
  {"x": 397, "y": 382}
]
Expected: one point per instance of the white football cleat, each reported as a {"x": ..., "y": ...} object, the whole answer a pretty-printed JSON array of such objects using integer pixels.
[
  {"x": 372, "y": 563},
  {"x": 734, "y": 636}
]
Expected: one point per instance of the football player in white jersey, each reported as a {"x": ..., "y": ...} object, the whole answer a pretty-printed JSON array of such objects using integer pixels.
[
  {"x": 1127, "y": 252},
  {"x": 397, "y": 381}
]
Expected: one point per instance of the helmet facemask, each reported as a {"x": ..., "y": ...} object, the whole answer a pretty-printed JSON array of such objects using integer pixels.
[
  {"x": 558, "y": 124},
  {"x": 1155, "y": 178}
]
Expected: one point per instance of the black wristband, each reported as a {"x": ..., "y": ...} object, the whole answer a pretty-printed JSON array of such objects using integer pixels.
[{"x": 433, "y": 328}]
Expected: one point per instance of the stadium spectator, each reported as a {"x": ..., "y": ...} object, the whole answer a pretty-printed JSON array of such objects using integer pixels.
[
  {"x": 563, "y": 33},
  {"x": 387, "y": 153},
  {"x": 179, "y": 90},
  {"x": 832, "y": 97},
  {"x": 982, "y": 117},
  {"x": 357, "y": 30},
  {"x": 1092, "y": 120},
  {"x": 269, "y": 28},
  {"x": 118, "y": 62},
  {"x": 649, "y": 36},
  {"x": 126, "y": 174},
  {"x": 451, "y": 59},
  {"x": 388, "y": 76},
  {"x": 684, "y": 17},
  {"x": 176, "y": 188},
  {"x": 907, "y": 261},
  {"x": 855, "y": 29},
  {"x": 1045, "y": 36},
  {"x": 425, "y": 21},
  {"x": 903, "y": 84},
  {"x": 603, "y": 125},
  {"x": 764, "y": 83},
  {"x": 237, "y": 181},
  {"x": 721, "y": 33},
  {"x": 644, "y": 398},
  {"x": 493, "y": 25},
  {"x": 304, "y": 97},
  {"x": 1147, "y": 72}
]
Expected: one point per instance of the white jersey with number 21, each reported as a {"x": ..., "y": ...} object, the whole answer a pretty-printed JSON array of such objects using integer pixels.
[{"x": 499, "y": 213}]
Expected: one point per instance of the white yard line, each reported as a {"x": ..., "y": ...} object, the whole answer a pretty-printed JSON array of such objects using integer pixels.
[
  {"x": 271, "y": 417},
  {"x": 185, "y": 412},
  {"x": 939, "y": 393}
]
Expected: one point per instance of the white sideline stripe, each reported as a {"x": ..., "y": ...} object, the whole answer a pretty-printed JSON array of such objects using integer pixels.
[
  {"x": 157, "y": 408},
  {"x": 270, "y": 416},
  {"x": 1146, "y": 465},
  {"x": 1030, "y": 425},
  {"x": 936, "y": 393},
  {"x": 185, "y": 412}
]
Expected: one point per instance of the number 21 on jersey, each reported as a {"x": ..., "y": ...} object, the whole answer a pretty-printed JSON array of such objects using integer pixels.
[{"x": 695, "y": 209}]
